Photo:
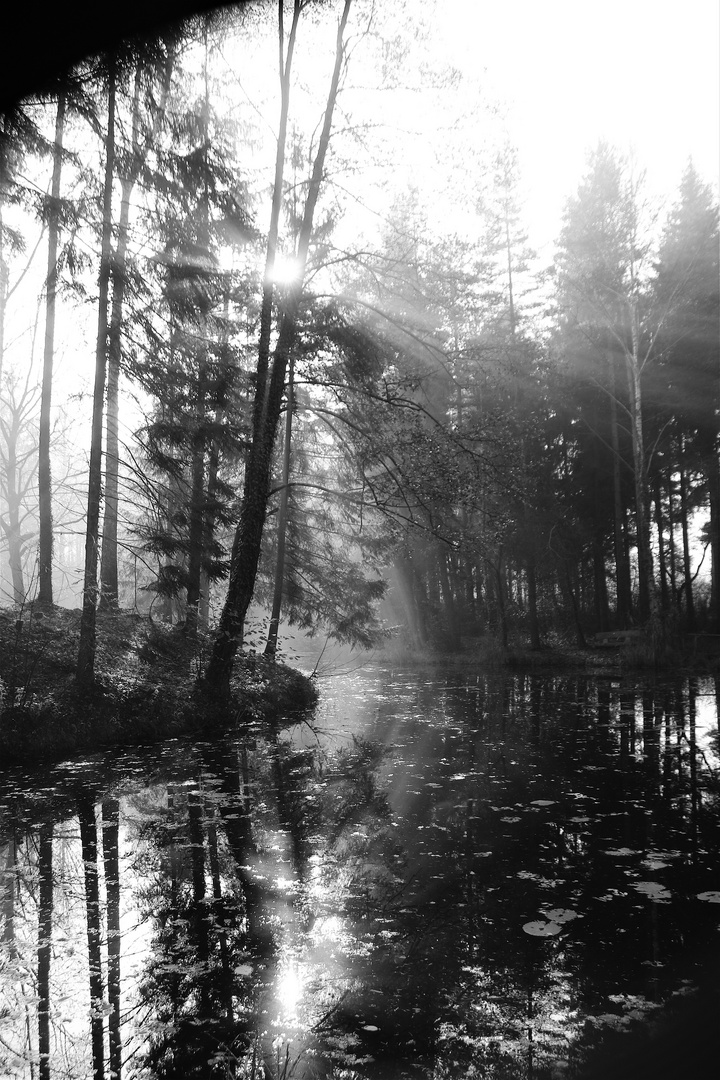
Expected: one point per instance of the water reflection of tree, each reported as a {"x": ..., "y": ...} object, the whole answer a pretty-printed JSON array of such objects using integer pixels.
[
  {"x": 189, "y": 980},
  {"x": 213, "y": 950}
]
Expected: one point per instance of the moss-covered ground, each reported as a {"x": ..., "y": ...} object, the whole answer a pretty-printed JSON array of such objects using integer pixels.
[{"x": 147, "y": 686}]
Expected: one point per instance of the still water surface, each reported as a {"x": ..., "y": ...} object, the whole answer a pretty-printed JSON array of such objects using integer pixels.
[{"x": 437, "y": 875}]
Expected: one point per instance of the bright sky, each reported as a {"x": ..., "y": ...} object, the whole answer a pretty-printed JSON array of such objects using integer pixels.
[{"x": 644, "y": 74}]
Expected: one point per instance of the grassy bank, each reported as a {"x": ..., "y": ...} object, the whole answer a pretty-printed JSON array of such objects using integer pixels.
[
  {"x": 146, "y": 687},
  {"x": 559, "y": 654}
]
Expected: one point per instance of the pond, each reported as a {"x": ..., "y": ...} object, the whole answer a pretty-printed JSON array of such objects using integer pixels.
[{"x": 437, "y": 874}]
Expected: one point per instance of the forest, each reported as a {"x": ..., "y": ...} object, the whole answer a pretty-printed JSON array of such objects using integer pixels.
[{"x": 257, "y": 374}]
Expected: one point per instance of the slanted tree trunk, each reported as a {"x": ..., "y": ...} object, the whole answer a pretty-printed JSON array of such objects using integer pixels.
[
  {"x": 45, "y": 542},
  {"x": 269, "y": 391},
  {"x": 86, "y": 650},
  {"x": 283, "y": 511}
]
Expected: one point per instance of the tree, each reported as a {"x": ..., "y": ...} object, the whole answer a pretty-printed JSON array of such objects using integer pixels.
[
  {"x": 270, "y": 376},
  {"x": 133, "y": 159},
  {"x": 602, "y": 294},
  {"x": 18, "y": 464},
  {"x": 86, "y": 648},
  {"x": 687, "y": 287},
  {"x": 45, "y": 541}
]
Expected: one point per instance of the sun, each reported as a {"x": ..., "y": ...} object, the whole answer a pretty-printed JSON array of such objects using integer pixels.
[{"x": 286, "y": 270}]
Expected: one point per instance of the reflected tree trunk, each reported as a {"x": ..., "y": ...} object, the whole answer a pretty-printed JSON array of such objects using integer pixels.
[
  {"x": 219, "y": 919},
  {"x": 111, "y": 832},
  {"x": 693, "y": 755},
  {"x": 45, "y": 914},
  {"x": 197, "y": 849},
  {"x": 7, "y": 894},
  {"x": 88, "y": 839}
]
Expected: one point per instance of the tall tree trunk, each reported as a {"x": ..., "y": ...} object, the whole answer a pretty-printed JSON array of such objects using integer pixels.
[
  {"x": 196, "y": 535},
  {"x": 500, "y": 606},
  {"x": 566, "y": 584},
  {"x": 671, "y": 544},
  {"x": 111, "y": 856},
  {"x": 623, "y": 611},
  {"x": 535, "y": 642},
  {"x": 45, "y": 913},
  {"x": 660, "y": 523},
  {"x": 4, "y": 280},
  {"x": 600, "y": 590},
  {"x": 45, "y": 543},
  {"x": 713, "y": 475},
  {"x": 109, "y": 589},
  {"x": 10, "y": 522},
  {"x": 448, "y": 597},
  {"x": 684, "y": 515},
  {"x": 647, "y": 592},
  {"x": 268, "y": 403},
  {"x": 109, "y": 560},
  {"x": 86, "y": 650},
  {"x": 198, "y": 502},
  {"x": 88, "y": 839}
]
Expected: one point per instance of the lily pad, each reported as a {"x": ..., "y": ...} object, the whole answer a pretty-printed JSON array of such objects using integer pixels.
[
  {"x": 712, "y": 897},
  {"x": 652, "y": 889},
  {"x": 541, "y": 928},
  {"x": 561, "y": 915}
]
